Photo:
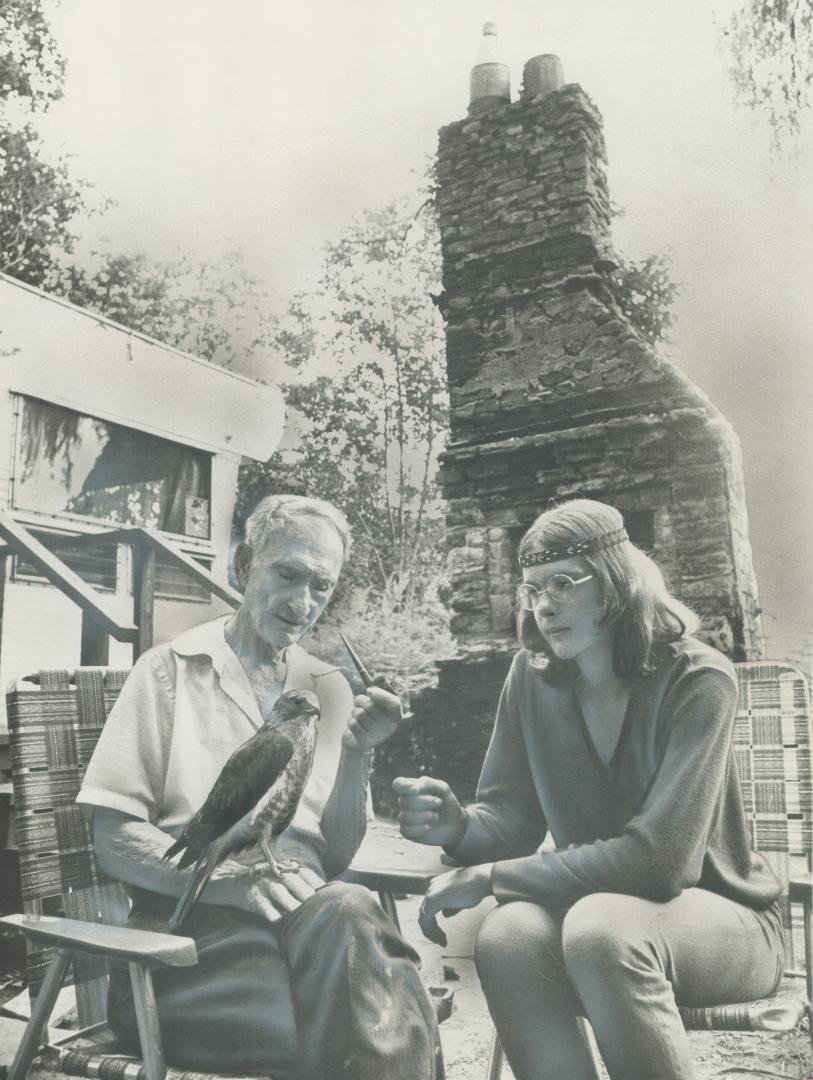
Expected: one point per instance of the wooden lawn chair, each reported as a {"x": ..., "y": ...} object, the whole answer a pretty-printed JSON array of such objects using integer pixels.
[
  {"x": 773, "y": 750},
  {"x": 53, "y": 730}
]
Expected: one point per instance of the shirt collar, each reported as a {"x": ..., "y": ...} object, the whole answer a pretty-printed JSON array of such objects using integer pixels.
[
  {"x": 206, "y": 639},
  {"x": 209, "y": 639}
]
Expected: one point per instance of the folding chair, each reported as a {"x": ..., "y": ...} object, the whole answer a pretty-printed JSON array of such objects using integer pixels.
[{"x": 53, "y": 730}]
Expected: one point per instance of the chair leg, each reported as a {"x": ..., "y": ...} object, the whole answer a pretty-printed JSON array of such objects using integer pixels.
[
  {"x": 149, "y": 1030},
  {"x": 495, "y": 1054},
  {"x": 40, "y": 1014},
  {"x": 494, "y": 1066},
  {"x": 808, "y": 912},
  {"x": 588, "y": 1033}
]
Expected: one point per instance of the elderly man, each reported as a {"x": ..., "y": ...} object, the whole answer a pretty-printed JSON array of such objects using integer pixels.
[{"x": 296, "y": 977}]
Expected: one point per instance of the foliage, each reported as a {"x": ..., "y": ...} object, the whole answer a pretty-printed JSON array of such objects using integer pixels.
[
  {"x": 771, "y": 47},
  {"x": 30, "y": 65},
  {"x": 38, "y": 198},
  {"x": 645, "y": 292},
  {"x": 396, "y": 640},
  {"x": 38, "y": 202},
  {"x": 367, "y": 394},
  {"x": 208, "y": 309}
]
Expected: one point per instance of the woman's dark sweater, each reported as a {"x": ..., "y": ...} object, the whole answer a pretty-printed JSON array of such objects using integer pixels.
[{"x": 666, "y": 814}]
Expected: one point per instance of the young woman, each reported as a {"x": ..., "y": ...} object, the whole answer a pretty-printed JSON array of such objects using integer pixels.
[{"x": 613, "y": 734}]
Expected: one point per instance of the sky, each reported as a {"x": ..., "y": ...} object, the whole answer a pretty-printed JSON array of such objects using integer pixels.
[{"x": 273, "y": 125}]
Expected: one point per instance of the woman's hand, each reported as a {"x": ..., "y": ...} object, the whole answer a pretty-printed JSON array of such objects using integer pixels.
[
  {"x": 449, "y": 893},
  {"x": 428, "y": 811},
  {"x": 375, "y": 716}
]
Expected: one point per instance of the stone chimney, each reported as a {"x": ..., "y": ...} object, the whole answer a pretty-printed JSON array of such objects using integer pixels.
[{"x": 553, "y": 392}]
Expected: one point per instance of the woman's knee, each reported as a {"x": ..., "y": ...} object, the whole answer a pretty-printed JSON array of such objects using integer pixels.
[
  {"x": 512, "y": 933},
  {"x": 604, "y": 931}
]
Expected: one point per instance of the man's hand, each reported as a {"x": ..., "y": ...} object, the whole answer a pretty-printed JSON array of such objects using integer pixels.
[
  {"x": 132, "y": 851},
  {"x": 428, "y": 811},
  {"x": 375, "y": 716},
  {"x": 256, "y": 888},
  {"x": 449, "y": 893}
]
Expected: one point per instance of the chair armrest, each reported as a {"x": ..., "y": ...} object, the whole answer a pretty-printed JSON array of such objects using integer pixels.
[
  {"x": 118, "y": 942},
  {"x": 800, "y": 890}
]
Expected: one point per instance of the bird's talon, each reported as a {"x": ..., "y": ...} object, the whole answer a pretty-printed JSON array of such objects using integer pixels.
[{"x": 269, "y": 858}]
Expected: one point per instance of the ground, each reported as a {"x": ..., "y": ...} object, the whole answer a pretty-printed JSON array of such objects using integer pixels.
[{"x": 466, "y": 1035}]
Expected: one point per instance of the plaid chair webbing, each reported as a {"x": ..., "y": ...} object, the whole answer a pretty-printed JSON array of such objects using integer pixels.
[
  {"x": 52, "y": 734},
  {"x": 773, "y": 752}
]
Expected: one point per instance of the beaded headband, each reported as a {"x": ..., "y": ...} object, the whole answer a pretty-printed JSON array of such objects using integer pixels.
[{"x": 580, "y": 547}]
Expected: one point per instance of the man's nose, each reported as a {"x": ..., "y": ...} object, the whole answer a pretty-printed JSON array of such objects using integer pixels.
[{"x": 299, "y": 600}]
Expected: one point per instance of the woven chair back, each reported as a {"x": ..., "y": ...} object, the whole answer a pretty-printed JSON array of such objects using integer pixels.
[
  {"x": 772, "y": 748},
  {"x": 53, "y": 730}
]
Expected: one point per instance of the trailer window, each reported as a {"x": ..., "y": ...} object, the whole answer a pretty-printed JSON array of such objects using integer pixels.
[{"x": 72, "y": 465}]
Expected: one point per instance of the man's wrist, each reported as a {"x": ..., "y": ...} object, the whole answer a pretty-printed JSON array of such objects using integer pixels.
[{"x": 352, "y": 752}]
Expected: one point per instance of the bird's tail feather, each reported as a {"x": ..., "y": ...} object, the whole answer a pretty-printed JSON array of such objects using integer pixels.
[{"x": 195, "y": 886}]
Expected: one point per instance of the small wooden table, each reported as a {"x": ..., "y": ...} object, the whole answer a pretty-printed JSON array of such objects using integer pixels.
[{"x": 390, "y": 865}]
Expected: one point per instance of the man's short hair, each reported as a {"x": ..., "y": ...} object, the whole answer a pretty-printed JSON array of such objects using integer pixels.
[{"x": 274, "y": 515}]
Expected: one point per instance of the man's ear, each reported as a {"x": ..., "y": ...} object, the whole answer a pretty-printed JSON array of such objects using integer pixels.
[{"x": 242, "y": 563}]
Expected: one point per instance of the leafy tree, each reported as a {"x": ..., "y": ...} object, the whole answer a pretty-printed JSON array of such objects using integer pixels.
[
  {"x": 771, "y": 47},
  {"x": 31, "y": 68},
  {"x": 209, "y": 309},
  {"x": 367, "y": 400},
  {"x": 38, "y": 198},
  {"x": 38, "y": 202}
]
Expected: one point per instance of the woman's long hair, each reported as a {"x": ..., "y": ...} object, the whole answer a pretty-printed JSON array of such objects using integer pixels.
[{"x": 637, "y": 603}]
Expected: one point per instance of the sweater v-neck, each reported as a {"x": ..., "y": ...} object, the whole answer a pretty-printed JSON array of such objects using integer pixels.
[{"x": 606, "y": 767}]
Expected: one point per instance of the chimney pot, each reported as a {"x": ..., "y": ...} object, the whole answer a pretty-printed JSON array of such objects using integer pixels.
[
  {"x": 490, "y": 81},
  {"x": 542, "y": 75}
]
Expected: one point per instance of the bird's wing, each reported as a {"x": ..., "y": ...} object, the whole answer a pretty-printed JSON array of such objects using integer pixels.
[
  {"x": 251, "y": 769},
  {"x": 277, "y": 807},
  {"x": 243, "y": 780}
]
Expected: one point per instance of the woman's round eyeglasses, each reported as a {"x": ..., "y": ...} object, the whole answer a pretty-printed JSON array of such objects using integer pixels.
[{"x": 561, "y": 588}]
